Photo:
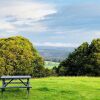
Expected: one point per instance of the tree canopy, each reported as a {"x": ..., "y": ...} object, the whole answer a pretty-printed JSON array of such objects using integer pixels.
[
  {"x": 85, "y": 60},
  {"x": 18, "y": 56}
]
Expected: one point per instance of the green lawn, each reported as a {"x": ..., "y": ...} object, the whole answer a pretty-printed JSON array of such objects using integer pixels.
[{"x": 58, "y": 88}]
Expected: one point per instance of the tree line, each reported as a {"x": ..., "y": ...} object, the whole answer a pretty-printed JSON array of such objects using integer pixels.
[
  {"x": 83, "y": 61},
  {"x": 19, "y": 57}
]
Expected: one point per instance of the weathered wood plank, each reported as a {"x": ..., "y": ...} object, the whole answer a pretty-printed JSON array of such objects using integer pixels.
[
  {"x": 17, "y": 87},
  {"x": 15, "y": 77},
  {"x": 16, "y": 82}
]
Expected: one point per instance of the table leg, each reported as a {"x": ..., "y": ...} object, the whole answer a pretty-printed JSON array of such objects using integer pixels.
[
  {"x": 3, "y": 85},
  {"x": 28, "y": 89}
]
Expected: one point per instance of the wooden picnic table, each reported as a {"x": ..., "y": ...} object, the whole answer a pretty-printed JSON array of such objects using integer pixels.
[{"x": 6, "y": 80}]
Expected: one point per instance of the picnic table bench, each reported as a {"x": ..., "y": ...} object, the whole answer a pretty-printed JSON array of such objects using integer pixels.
[{"x": 24, "y": 80}]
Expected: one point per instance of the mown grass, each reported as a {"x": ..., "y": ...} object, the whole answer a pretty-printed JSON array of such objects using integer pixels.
[{"x": 57, "y": 88}]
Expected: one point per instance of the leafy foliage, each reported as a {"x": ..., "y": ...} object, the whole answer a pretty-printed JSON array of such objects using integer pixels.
[
  {"x": 85, "y": 60},
  {"x": 18, "y": 57}
]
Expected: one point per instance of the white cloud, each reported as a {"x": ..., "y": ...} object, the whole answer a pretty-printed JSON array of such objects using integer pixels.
[
  {"x": 23, "y": 16},
  {"x": 56, "y": 44},
  {"x": 97, "y": 33},
  {"x": 4, "y": 35},
  {"x": 26, "y": 10},
  {"x": 34, "y": 27},
  {"x": 6, "y": 26}
]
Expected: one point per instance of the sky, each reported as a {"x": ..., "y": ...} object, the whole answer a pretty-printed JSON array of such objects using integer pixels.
[{"x": 60, "y": 23}]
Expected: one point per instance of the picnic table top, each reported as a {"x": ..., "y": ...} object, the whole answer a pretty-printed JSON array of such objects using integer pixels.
[{"x": 15, "y": 77}]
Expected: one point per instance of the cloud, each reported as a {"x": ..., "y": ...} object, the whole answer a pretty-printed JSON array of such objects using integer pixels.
[
  {"x": 22, "y": 10},
  {"x": 97, "y": 33},
  {"x": 23, "y": 16},
  {"x": 61, "y": 22},
  {"x": 4, "y": 35},
  {"x": 85, "y": 16},
  {"x": 56, "y": 44},
  {"x": 6, "y": 26},
  {"x": 35, "y": 27}
]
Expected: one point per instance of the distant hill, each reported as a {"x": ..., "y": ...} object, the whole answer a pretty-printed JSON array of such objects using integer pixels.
[{"x": 55, "y": 54}]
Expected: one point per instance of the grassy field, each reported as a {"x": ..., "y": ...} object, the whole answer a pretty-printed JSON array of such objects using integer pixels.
[
  {"x": 50, "y": 64},
  {"x": 58, "y": 88}
]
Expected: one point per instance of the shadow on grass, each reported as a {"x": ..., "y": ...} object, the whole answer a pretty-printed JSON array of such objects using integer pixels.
[
  {"x": 68, "y": 92},
  {"x": 45, "y": 89},
  {"x": 98, "y": 89},
  {"x": 14, "y": 94}
]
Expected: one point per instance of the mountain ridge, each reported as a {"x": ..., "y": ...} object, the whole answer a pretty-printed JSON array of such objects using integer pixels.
[{"x": 55, "y": 54}]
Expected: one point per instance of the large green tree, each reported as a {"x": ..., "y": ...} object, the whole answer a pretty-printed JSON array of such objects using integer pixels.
[
  {"x": 85, "y": 60},
  {"x": 18, "y": 56}
]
